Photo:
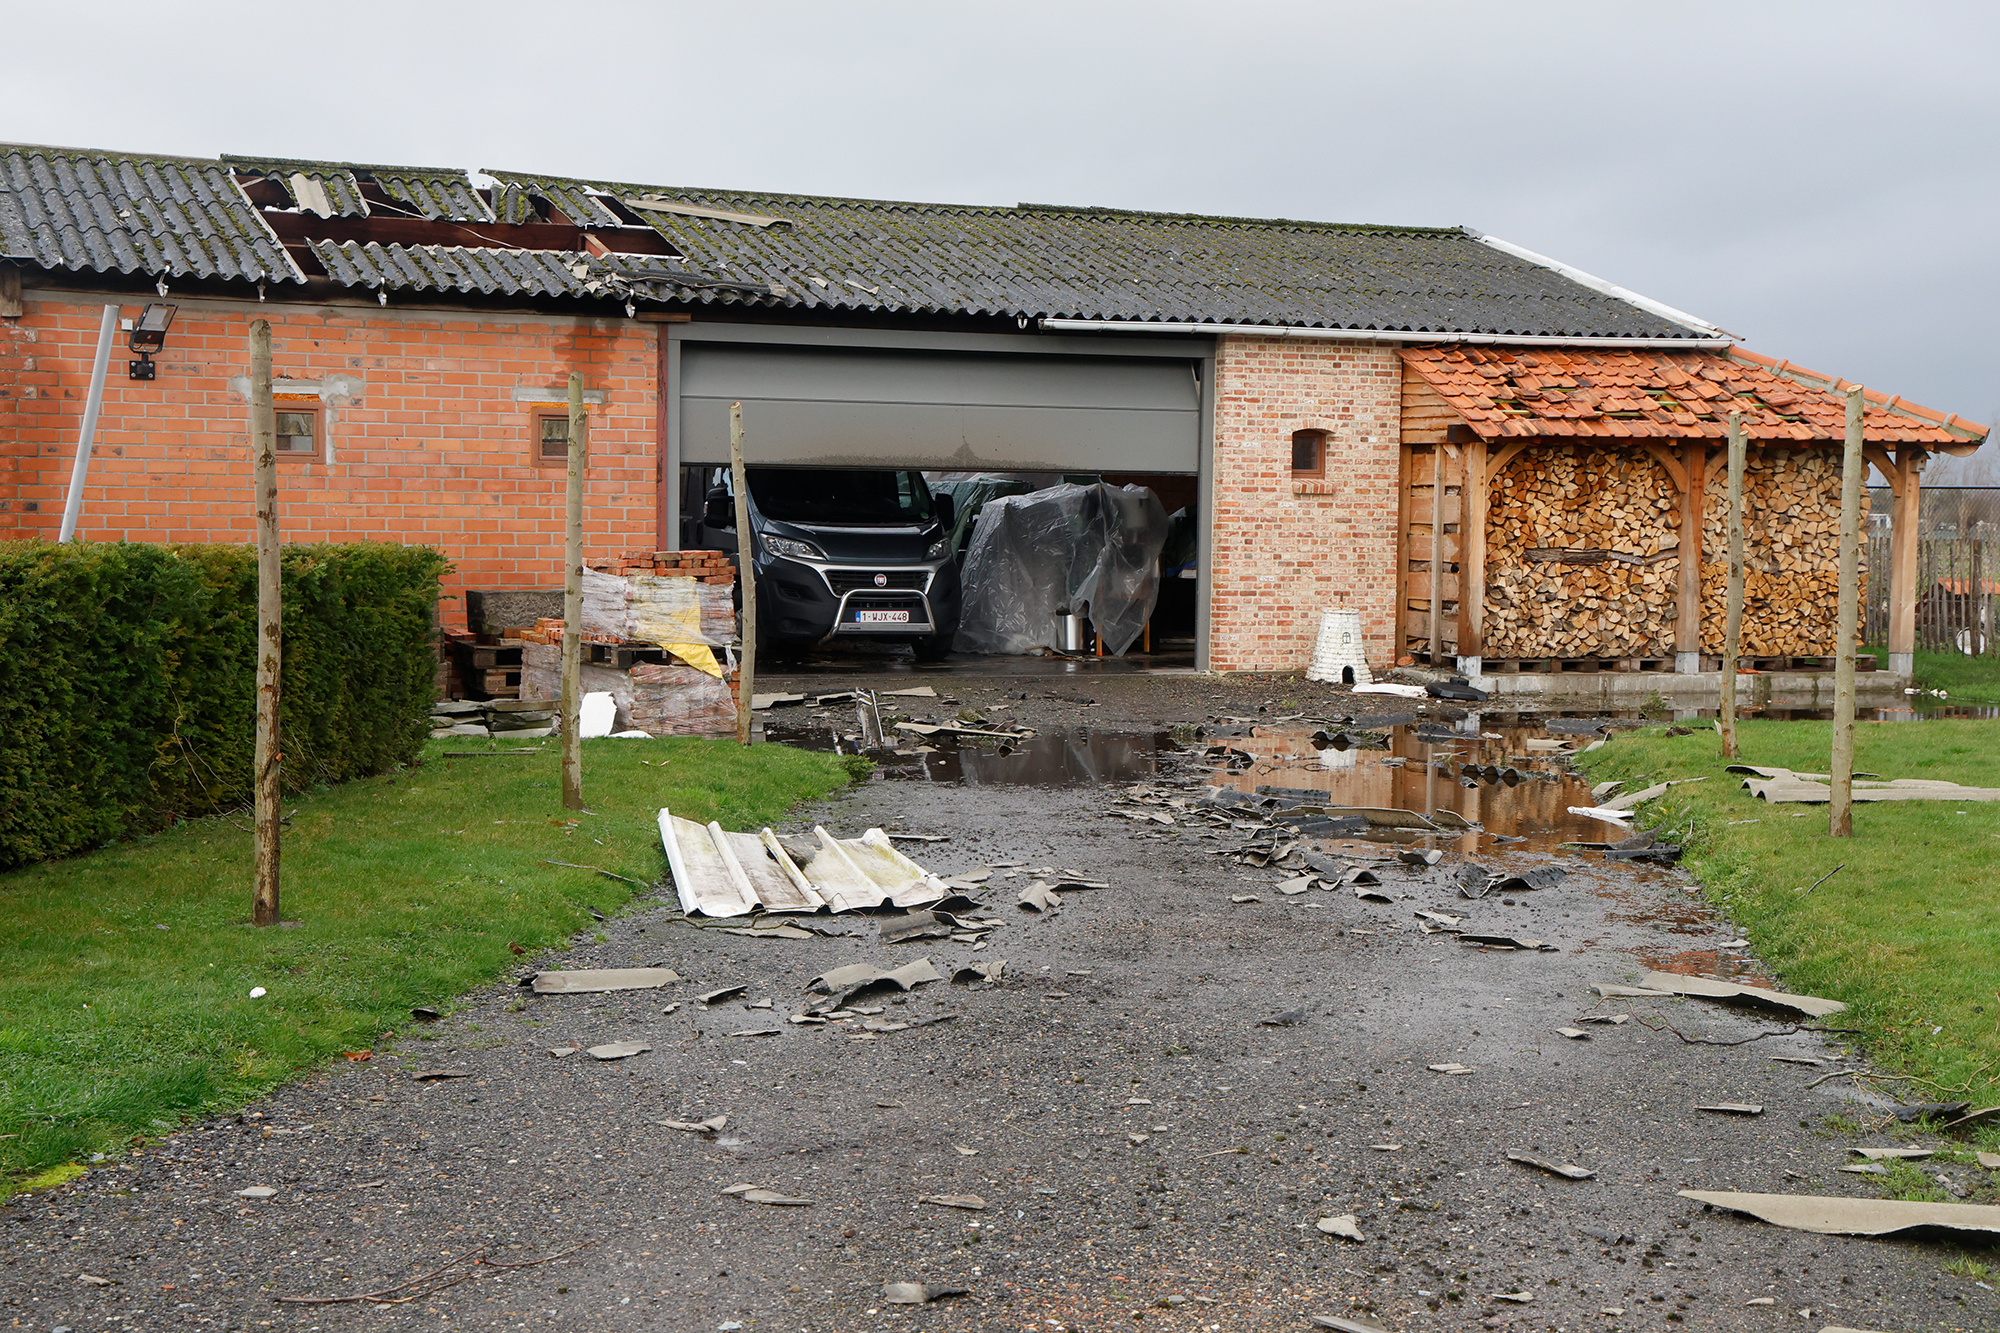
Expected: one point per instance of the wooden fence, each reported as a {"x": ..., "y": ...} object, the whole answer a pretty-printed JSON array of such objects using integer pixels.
[{"x": 1958, "y": 593}]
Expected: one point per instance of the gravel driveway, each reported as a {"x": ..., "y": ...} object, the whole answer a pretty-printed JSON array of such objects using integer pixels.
[{"x": 1148, "y": 1151}]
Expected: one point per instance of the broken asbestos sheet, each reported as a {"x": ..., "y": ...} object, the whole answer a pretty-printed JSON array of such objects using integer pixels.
[
  {"x": 1852, "y": 1217},
  {"x": 719, "y": 873},
  {"x": 1783, "y": 786},
  {"x": 1702, "y": 988},
  {"x": 595, "y": 981}
]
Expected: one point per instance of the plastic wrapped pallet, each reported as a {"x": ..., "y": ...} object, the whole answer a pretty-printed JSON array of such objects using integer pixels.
[
  {"x": 668, "y": 699},
  {"x": 1094, "y": 549}
]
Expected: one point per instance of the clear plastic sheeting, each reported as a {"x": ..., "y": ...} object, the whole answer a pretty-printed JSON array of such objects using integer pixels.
[{"x": 1094, "y": 550}]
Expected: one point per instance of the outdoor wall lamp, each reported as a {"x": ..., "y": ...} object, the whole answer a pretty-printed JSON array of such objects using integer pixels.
[{"x": 149, "y": 335}]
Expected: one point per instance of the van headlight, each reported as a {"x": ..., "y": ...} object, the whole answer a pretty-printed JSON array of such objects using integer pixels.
[
  {"x": 938, "y": 549},
  {"x": 795, "y": 550}
]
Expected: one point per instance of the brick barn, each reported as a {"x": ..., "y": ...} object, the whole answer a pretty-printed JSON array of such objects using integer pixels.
[{"x": 1306, "y": 390}]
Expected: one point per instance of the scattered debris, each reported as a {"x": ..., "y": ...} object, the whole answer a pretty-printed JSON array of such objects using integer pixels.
[
  {"x": 1865, "y": 1169},
  {"x": 432, "y": 1075},
  {"x": 1602, "y": 813},
  {"x": 1605, "y": 1018},
  {"x": 916, "y": 1293},
  {"x": 1783, "y": 786},
  {"x": 1851, "y": 1217},
  {"x": 725, "y": 993},
  {"x": 423, "y": 1013},
  {"x": 256, "y": 1192},
  {"x": 592, "y": 982},
  {"x": 755, "y": 1194},
  {"x": 746, "y": 1032},
  {"x": 1989, "y": 1160},
  {"x": 1346, "y": 1226},
  {"x": 1287, "y": 1019},
  {"x": 558, "y": 1052},
  {"x": 1734, "y": 1108},
  {"x": 617, "y": 1050},
  {"x": 1040, "y": 897},
  {"x": 1544, "y": 877},
  {"x": 1247, "y": 898},
  {"x": 1450, "y": 1068},
  {"x": 711, "y": 1126},
  {"x": 1518, "y": 1297},
  {"x": 987, "y": 971},
  {"x": 1973, "y": 1119},
  {"x": 1703, "y": 988},
  {"x": 1370, "y": 895},
  {"x": 971, "y": 1203},
  {"x": 1566, "y": 1171},
  {"x": 1916, "y": 1111},
  {"x": 1574, "y": 1034},
  {"x": 1507, "y": 943},
  {"x": 1879, "y": 1154},
  {"x": 1420, "y": 856},
  {"x": 1346, "y": 1323},
  {"x": 843, "y": 983},
  {"x": 722, "y": 874}
]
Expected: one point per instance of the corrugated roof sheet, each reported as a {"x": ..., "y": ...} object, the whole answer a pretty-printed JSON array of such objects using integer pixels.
[
  {"x": 1507, "y": 392},
  {"x": 1044, "y": 262},
  {"x": 528, "y": 272},
  {"x": 437, "y": 195},
  {"x": 576, "y": 199},
  {"x": 106, "y": 213}
]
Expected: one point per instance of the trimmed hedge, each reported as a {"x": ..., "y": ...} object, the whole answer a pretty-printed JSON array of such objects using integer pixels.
[{"x": 128, "y": 680}]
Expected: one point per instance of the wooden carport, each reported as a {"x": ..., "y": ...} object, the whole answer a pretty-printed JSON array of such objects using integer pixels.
[{"x": 1626, "y": 475}]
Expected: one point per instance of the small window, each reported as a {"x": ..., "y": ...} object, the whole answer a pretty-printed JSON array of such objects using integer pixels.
[
  {"x": 548, "y": 441},
  {"x": 298, "y": 427},
  {"x": 1309, "y": 453}
]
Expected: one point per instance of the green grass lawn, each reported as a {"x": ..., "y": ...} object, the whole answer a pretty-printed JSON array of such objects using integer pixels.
[
  {"x": 125, "y": 975},
  {"x": 1907, "y": 933},
  {"x": 1965, "y": 680}
]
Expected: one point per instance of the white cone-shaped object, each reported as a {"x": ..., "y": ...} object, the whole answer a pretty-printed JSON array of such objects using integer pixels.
[{"x": 1337, "y": 656}]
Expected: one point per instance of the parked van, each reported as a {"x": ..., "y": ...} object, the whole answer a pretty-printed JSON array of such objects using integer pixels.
[{"x": 847, "y": 553}]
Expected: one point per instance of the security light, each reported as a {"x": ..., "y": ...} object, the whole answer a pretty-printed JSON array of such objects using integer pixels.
[{"x": 149, "y": 335}]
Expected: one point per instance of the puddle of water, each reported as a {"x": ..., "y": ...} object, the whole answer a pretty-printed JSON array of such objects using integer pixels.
[
  {"x": 1420, "y": 772},
  {"x": 1060, "y": 757}
]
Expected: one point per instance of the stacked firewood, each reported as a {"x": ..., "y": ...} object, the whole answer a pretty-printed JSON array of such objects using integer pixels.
[
  {"x": 1791, "y": 546},
  {"x": 1582, "y": 555}
]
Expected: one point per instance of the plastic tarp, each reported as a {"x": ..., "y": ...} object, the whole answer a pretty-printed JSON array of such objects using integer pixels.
[
  {"x": 1091, "y": 549},
  {"x": 969, "y": 492}
]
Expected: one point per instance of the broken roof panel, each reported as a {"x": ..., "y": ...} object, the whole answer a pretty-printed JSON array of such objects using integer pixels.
[
  {"x": 441, "y": 196},
  {"x": 1037, "y": 261},
  {"x": 1514, "y": 392},
  {"x": 68, "y": 208},
  {"x": 451, "y": 268}
]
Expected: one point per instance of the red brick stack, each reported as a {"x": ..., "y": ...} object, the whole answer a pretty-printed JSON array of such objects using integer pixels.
[{"x": 708, "y": 566}]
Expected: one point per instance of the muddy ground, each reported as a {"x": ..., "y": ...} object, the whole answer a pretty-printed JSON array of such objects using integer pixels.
[{"x": 1151, "y": 1154}]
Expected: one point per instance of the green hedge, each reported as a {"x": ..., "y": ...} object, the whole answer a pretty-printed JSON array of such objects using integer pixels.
[{"x": 128, "y": 680}]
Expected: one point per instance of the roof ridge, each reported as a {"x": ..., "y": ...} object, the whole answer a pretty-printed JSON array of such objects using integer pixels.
[
  {"x": 254, "y": 160},
  {"x": 936, "y": 206},
  {"x": 66, "y": 150}
]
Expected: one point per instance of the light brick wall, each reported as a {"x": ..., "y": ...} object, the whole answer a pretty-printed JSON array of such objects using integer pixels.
[
  {"x": 1281, "y": 553},
  {"x": 429, "y": 444}
]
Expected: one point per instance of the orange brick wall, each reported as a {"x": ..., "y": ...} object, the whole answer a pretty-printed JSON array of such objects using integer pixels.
[
  {"x": 428, "y": 440},
  {"x": 1281, "y": 552}
]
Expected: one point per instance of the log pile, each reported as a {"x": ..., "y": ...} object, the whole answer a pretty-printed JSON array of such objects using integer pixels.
[
  {"x": 1791, "y": 553},
  {"x": 1582, "y": 555}
]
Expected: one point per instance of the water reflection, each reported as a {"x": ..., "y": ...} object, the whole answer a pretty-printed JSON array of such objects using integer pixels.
[{"x": 1062, "y": 757}]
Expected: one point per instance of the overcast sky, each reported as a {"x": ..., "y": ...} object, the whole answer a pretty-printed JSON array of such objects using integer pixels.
[{"x": 1819, "y": 179}]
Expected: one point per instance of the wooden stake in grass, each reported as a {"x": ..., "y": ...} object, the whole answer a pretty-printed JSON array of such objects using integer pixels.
[
  {"x": 746, "y": 576},
  {"x": 572, "y": 660},
  {"x": 1732, "y": 632},
  {"x": 1841, "y": 805},
  {"x": 270, "y": 757}
]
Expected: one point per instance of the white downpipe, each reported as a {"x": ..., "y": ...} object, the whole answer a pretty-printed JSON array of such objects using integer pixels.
[
  {"x": 73, "y": 502},
  {"x": 1376, "y": 335}
]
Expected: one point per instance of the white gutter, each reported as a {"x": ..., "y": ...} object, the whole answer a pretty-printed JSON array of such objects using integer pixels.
[
  {"x": 1719, "y": 340},
  {"x": 1598, "y": 284}
]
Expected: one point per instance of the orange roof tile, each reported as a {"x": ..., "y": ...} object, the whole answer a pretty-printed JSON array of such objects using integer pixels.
[{"x": 1528, "y": 391}]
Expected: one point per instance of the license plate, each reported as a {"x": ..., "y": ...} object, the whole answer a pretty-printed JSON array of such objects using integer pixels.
[{"x": 882, "y": 617}]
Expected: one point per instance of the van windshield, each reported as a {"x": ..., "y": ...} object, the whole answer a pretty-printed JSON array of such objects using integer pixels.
[{"x": 841, "y": 497}]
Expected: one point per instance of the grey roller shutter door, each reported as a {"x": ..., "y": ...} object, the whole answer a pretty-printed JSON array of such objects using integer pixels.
[{"x": 950, "y": 411}]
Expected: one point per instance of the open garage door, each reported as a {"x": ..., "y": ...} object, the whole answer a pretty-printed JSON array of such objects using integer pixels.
[{"x": 947, "y": 411}]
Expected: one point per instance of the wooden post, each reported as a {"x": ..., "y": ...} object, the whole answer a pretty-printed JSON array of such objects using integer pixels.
[
  {"x": 1471, "y": 555},
  {"x": 1841, "y": 805},
  {"x": 1437, "y": 554},
  {"x": 572, "y": 660},
  {"x": 1732, "y": 631},
  {"x": 1904, "y": 522},
  {"x": 1687, "y": 624},
  {"x": 746, "y": 576},
  {"x": 269, "y": 756}
]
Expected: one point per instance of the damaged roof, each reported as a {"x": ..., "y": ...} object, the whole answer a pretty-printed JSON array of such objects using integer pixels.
[
  {"x": 85, "y": 210},
  {"x": 1507, "y": 392},
  {"x": 1039, "y": 261}
]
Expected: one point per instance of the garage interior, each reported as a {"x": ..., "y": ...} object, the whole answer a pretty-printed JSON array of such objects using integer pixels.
[{"x": 981, "y": 415}]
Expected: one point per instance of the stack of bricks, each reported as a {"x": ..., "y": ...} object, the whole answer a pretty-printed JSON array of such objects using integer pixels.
[
  {"x": 549, "y": 629},
  {"x": 708, "y": 566}
]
